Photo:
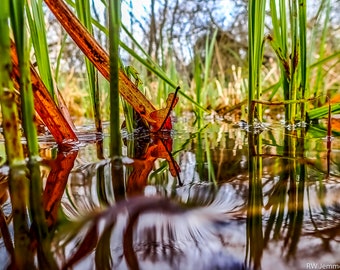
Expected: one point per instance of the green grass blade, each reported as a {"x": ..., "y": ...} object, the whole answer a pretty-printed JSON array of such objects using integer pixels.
[
  {"x": 303, "y": 44},
  {"x": 325, "y": 60},
  {"x": 17, "y": 9},
  {"x": 209, "y": 49},
  {"x": 10, "y": 118},
  {"x": 17, "y": 13},
  {"x": 256, "y": 9},
  {"x": 323, "y": 111},
  {"x": 84, "y": 15},
  {"x": 38, "y": 36},
  {"x": 59, "y": 57}
]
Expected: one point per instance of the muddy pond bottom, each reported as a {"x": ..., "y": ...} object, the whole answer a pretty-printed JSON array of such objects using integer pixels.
[{"x": 221, "y": 196}]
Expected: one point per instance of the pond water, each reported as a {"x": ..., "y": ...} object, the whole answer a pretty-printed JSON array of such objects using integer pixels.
[{"x": 222, "y": 196}]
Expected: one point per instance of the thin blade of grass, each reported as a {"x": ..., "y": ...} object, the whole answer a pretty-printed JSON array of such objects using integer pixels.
[
  {"x": 84, "y": 15},
  {"x": 39, "y": 40}
]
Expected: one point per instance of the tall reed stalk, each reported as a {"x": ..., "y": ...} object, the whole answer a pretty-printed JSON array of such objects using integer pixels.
[
  {"x": 114, "y": 33},
  {"x": 209, "y": 49},
  {"x": 256, "y": 15},
  {"x": 303, "y": 55},
  {"x": 36, "y": 22},
  {"x": 290, "y": 45},
  {"x": 37, "y": 216},
  {"x": 18, "y": 183},
  {"x": 22, "y": 49},
  {"x": 83, "y": 8}
]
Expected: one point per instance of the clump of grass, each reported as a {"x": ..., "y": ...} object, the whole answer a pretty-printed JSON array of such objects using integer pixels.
[
  {"x": 84, "y": 14},
  {"x": 255, "y": 54},
  {"x": 35, "y": 16}
]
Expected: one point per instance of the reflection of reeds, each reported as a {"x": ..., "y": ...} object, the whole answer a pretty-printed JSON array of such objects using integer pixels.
[
  {"x": 255, "y": 204},
  {"x": 152, "y": 228},
  {"x": 256, "y": 45}
]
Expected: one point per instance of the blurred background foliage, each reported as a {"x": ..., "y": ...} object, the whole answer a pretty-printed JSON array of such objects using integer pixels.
[{"x": 174, "y": 34}]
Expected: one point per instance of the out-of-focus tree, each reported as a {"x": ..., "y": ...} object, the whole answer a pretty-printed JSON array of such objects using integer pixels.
[{"x": 180, "y": 27}]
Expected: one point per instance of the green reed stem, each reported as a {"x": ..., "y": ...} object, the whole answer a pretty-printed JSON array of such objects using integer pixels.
[
  {"x": 10, "y": 118},
  {"x": 293, "y": 65},
  {"x": 254, "y": 249},
  {"x": 325, "y": 60},
  {"x": 256, "y": 9},
  {"x": 303, "y": 54},
  {"x": 84, "y": 15},
  {"x": 58, "y": 60},
  {"x": 114, "y": 28},
  {"x": 18, "y": 183},
  {"x": 17, "y": 9},
  {"x": 197, "y": 71},
  {"x": 38, "y": 36},
  {"x": 28, "y": 115},
  {"x": 323, "y": 111},
  {"x": 209, "y": 49},
  {"x": 294, "y": 60}
]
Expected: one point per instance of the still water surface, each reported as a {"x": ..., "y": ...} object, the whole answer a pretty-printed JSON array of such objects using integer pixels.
[{"x": 222, "y": 196}]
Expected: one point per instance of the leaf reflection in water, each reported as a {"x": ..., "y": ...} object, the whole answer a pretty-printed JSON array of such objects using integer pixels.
[
  {"x": 203, "y": 226},
  {"x": 166, "y": 235}
]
